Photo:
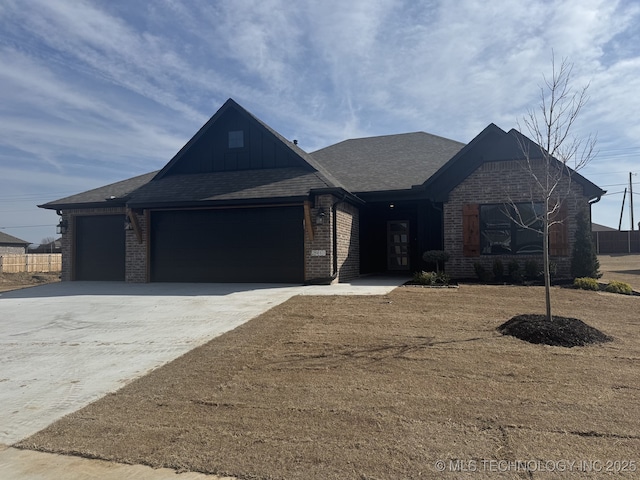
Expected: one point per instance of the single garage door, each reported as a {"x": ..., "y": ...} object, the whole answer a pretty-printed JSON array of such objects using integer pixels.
[
  {"x": 235, "y": 245},
  {"x": 99, "y": 247}
]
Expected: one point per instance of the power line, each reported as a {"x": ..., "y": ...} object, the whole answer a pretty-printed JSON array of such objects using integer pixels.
[
  {"x": 618, "y": 184},
  {"x": 27, "y": 226}
]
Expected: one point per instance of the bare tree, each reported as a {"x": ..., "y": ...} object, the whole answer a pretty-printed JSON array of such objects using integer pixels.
[
  {"x": 554, "y": 158},
  {"x": 48, "y": 241}
]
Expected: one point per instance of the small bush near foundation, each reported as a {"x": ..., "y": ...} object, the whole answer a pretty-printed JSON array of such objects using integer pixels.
[
  {"x": 531, "y": 269},
  {"x": 425, "y": 278},
  {"x": 514, "y": 271},
  {"x": 481, "y": 272},
  {"x": 553, "y": 269},
  {"x": 442, "y": 278},
  {"x": 618, "y": 287},
  {"x": 586, "y": 283},
  {"x": 431, "y": 278},
  {"x": 498, "y": 269}
]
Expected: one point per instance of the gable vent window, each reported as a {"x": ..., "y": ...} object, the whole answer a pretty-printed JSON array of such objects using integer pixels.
[{"x": 236, "y": 139}]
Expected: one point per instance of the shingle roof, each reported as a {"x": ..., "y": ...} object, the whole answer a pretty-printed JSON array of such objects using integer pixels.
[
  {"x": 388, "y": 162},
  {"x": 596, "y": 227},
  {"x": 7, "y": 239},
  {"x": 113, "y": 194},
  {"x": 190, "y": 189}
]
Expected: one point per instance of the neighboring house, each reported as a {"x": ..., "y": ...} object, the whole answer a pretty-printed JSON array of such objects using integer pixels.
[
  {"x": 596, "y": 227},
  {"x": 10, "y": 245},
  {"x": 240, "y": 203},
  {"x": 52, "y": 247}
]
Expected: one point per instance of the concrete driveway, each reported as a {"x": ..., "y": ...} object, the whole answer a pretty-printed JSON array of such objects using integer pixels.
[{"x": 65, "y": 345}]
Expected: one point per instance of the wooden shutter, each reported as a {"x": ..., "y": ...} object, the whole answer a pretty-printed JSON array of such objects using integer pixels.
[
  {"x": 559, "y": 233},
  {"x": 471, "y": 230}
]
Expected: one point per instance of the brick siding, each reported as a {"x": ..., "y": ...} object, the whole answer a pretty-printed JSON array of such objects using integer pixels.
[
  {"x": 348, "y": 218},
  {"x": 348, "y": 251},
  {"x": 495, "y": 182},
  {"x": 136, "y": 252}
]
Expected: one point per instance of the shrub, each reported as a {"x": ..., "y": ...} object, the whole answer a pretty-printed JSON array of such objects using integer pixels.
[
  {"x": 442, "y": 278},
  {"x": 531, "y": 269},
  {"x": 584, "y": 262},
  {"x": 481, "y": 272},
  {"x": 498, "y": 269},
  {"x": 619, "y": 287},
  {"x": 553, "y": 269},
  {"x": 425, "y": 278},
  {"x": 431, "y": 278},
  {"x": 586, "y": 283},
  {"x": 514, "y": 271},
  {"x": 437, "y": 257}
]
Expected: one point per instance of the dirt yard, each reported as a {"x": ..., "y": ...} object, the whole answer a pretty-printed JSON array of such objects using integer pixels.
[
  {"x": 15, "y": 281},
  {"x": 384, "y": 387}
]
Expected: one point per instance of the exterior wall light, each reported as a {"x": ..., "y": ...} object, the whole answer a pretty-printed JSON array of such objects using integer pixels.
[
  {"x": 62, "y": 227},
  {"x": 127, "y": 223},
  {"x": 320, "y": 217}
]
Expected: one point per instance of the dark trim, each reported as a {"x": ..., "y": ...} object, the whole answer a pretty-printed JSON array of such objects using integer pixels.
[
  {"x": 338, "y": 192},
  {"x": 394, "y": 195},
  {"x": 251, "y": 202},
  {"x": 78, "y": 206}
]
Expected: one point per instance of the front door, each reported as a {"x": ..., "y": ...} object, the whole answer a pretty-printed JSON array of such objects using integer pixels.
[{"x": 398, "y": 245}]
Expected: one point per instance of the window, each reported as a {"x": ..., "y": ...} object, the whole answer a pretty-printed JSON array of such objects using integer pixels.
[
  {"x": 499, "y": 234},
  {"x": 236, "y": 139}
]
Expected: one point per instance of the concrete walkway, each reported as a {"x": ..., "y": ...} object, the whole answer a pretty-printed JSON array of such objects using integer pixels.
[{"x": 65, "y": 345}]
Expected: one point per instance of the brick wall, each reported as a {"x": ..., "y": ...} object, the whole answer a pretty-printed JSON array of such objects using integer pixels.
[
  {"x": 348, "y": 219},
  {"x": 136, "y": 251},
  {"x": 495, "y": 182},
  {"x": 320, "y": 267}
]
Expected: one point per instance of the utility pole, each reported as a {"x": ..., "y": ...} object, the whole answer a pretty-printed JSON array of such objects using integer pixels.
[
  {"x": 631, "y": 199},
  {"x": 624, "y": 197}
]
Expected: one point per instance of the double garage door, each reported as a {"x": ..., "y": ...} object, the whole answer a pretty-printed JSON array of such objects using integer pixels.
[{"x": 234, "y": 245}]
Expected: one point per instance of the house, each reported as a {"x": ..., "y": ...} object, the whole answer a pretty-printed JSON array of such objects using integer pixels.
[
  {"x": 240, "y": 203},
  {"x": 54, "y": 246},
  {"x": 596, "y": 227},
  {"x": 10, "y": 245}
]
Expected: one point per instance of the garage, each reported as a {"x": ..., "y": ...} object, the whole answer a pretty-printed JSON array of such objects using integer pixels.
[
  {"x": 228, "y": 245},
  {"x": 100, "y": 247}
]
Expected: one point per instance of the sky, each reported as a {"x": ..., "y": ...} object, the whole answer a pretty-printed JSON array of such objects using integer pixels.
[{"x": 93, "y": 92}]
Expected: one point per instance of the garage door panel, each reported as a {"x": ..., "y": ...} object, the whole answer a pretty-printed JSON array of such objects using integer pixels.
[
  {"x": 239, "y": 245},
  {"x": 100, "y": 248}
]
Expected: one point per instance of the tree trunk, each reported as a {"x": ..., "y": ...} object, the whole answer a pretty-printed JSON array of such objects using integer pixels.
[{"x": 545, "y": 261}]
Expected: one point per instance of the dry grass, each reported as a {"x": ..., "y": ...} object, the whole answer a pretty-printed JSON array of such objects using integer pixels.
[
  {"x": 15, "y": 281},
  {"x": 624, "y": 268},
  {"x": 380, "y": 387}
]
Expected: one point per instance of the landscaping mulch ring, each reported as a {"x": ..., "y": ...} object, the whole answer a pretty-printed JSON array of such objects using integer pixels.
[{"x": 559, "y": 332}]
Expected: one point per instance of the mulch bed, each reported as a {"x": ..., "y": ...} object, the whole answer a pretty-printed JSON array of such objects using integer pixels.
[{"x": 560, "y": 332}]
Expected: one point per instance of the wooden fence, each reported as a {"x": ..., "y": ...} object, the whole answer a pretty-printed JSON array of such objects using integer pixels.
[
  {"x": 624, "y": 241},
  {"x": 36, "y": 262}
]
